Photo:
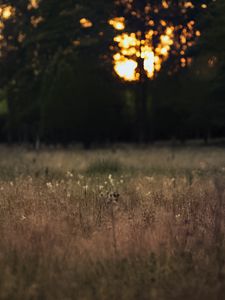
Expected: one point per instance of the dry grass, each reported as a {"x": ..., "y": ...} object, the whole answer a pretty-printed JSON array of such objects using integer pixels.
[{"x": 66, "y": 235}]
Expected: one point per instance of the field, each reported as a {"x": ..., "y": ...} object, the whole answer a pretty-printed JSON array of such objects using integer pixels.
[{"x": 118, "y": 224}]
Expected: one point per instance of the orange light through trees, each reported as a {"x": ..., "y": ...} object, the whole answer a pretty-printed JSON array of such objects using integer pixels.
[
  {"x": 155, "y": 41},
  {"x": 85, "y": 23},
  {"x": 6, "y": 12},
  {"x": 118, "y": 23},
  {"x": 131, "y": 48},
  {"x": 34, "y": 4}
]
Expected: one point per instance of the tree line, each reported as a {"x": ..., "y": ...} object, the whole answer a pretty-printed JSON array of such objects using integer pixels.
[{"x": 57, "y": 82}]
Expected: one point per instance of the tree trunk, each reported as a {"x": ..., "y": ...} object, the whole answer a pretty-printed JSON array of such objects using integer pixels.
[{"x": 142, "y": 96}]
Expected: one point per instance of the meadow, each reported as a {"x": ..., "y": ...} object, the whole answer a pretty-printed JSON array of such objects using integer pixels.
[{"x": 118, "y": 224}]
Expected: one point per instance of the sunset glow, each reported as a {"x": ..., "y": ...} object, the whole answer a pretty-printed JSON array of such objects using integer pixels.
[
  {"x": 34, "y": 4},
  {"x": 131, "y": 48},
  {"x": 6, "y": 12},
  {"x": 126, "y": 68},
  {"x": 85, "y": 23},
  {"x": 150, "y": 48},
  {"x": 118, "y": 23},
  {"x": 134, "y": 52}
]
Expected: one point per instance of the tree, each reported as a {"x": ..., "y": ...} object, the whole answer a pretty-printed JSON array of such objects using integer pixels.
[
  {"x": 209, "y": 68},
  {"x": 155, "y": 35},
  {"x": 37, "y": 35},
  {"x": 56, "y": 67},
  {"x": 79, "y": 101},
  {"x": 33, "y": 33}
]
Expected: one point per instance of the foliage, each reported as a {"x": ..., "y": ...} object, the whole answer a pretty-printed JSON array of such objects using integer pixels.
[{"x": 58, "y": 82}]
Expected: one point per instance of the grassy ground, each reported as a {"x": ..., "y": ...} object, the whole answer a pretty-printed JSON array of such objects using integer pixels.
[{"x": 123, "y": 224}]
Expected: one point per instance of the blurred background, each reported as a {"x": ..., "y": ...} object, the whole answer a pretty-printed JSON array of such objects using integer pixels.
[{"x": 96, "y": 72}]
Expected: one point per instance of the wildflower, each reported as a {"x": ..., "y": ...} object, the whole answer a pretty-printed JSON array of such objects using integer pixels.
[
  {"x": 69, "y": 174},
  {"x": 150, "y": 179},
  {"x": 111, "y": 180},
  {"x": 23, "y": 218},
  {"x": 49, "y": 185}
]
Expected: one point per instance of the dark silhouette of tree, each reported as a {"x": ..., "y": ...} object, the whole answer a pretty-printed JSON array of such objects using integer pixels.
[
  {"x": 155, "y": 35},
  {"x": 56, "y": 61}
]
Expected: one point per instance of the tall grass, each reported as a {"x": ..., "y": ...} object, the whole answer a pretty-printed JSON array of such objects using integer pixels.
[{"x": 139, "y": 233}]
